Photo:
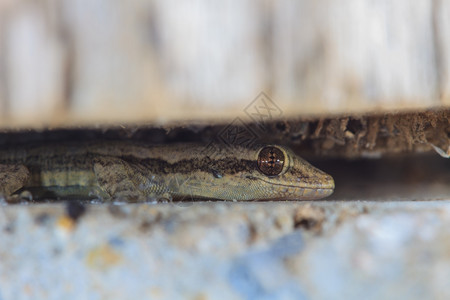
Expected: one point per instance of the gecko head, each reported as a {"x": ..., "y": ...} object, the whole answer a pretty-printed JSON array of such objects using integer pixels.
[
  {"x": 286, "y": 175},
  {"x": 267, "y": 172}
]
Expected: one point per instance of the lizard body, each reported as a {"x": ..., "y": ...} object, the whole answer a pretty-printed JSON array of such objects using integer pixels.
[{"x": 138, "y": 171}]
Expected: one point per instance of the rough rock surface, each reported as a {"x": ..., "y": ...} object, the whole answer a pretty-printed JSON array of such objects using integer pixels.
[{"x": 285, "y": 250}]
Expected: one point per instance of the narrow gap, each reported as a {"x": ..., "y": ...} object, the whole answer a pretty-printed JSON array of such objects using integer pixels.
[
  {"x": 401, "y": 177},
  {"x": 386, "y": 157}
]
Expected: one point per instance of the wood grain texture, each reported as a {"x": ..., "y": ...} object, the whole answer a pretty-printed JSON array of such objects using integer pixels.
[{"x": 96, "y": 61}]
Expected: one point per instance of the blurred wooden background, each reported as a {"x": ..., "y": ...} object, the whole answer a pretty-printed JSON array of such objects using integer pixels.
[{"x": 78, "y": 62}]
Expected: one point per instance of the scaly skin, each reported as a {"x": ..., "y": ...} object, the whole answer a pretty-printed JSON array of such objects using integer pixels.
[{"x": 137, "y": 171}]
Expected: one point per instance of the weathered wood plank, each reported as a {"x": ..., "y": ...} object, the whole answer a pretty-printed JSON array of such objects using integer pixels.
[
  {"x": 442, "y": 23},
  {"x": 355, "y": 54},
  {"x": 90, "y": 61},
  {"x": 34, "y": 62}
]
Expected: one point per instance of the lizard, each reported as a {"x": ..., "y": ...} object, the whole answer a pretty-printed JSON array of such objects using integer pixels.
[{"x": 130, "y": 170}]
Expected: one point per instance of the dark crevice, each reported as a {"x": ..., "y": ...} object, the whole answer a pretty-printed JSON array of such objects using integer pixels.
[
  {"x": 406, "y": 177},
  {"x": 406, "y": 167}
]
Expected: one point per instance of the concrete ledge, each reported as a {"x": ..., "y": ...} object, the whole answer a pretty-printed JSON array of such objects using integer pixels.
[{"x": 288, "y": 250}]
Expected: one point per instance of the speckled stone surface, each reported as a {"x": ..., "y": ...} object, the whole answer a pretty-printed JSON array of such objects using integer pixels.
[{"x": 295, "y": 250}]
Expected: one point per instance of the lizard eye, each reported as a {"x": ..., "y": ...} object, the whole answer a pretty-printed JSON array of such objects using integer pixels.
[{"x": 270, "y": 161}]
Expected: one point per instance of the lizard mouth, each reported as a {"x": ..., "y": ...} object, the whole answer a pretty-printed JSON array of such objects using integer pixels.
[{"x": 303, "y": 193}]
